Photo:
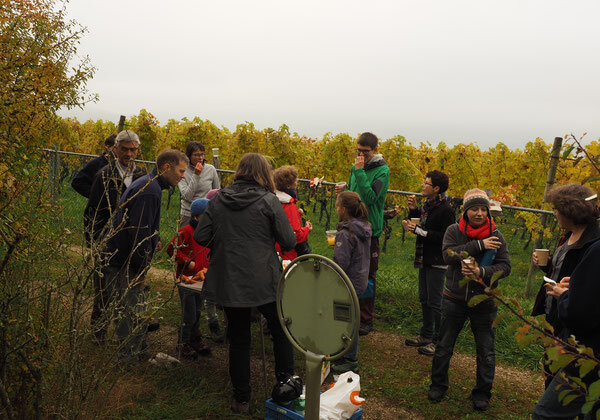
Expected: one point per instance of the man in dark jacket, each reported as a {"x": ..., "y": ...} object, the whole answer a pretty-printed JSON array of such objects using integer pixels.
[
  {"x": 370, "y": 178},
  {"x": 579, "y": 311},
  {"x": 434, "y": 218},
  {"x": 130, "y": 249},
  {"x": 107, "y": 188},
  {"x": 82, "y": 181},
  {"x": 109, "y": 184}
]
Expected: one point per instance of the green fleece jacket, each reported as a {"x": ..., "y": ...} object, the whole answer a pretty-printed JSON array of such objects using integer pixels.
[{"x": 371, "y": 184}]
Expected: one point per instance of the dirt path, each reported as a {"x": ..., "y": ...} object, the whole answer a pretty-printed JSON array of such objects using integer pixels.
[{"x": 395, "y": 378}]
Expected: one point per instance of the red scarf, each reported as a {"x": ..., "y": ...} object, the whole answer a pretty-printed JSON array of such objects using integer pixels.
[{"x": 481, "y": 232}]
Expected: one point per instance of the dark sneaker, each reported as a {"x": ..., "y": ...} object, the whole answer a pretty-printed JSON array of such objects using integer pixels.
[
  {"x": 418, "y": 341},
  {"x": 481, "y": 405},
  {"x": 216, "y": 334},
  {"x": 187, "y": 352},
  {"x": 365, "y": 329},
  {"x": 240, "y": 407},
  {"x": 427, "y": 349},
  {"x": 153, "y": 326},
  {"x": 436, "y": 394},
  {"x": 199, "y": 346},
  {"x": 344, "y": 365}
]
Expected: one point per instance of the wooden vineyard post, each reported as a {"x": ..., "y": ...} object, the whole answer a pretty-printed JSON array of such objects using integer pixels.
[
  {"x": 554, "y": 157},
  {"x": 121, "y": 123}
]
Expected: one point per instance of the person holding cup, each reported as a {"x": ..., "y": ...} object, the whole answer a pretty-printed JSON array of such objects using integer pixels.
[
  {"x": 429, "y": 222},
  {"x": 200, "y": 178},
  {"x": 475, "y": 234},
  {"x": 370, "y": 179},
  {"x": 578, "y": 217}
]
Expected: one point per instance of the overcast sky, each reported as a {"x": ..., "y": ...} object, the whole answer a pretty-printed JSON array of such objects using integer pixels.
[{"x": 453, "y": 71}]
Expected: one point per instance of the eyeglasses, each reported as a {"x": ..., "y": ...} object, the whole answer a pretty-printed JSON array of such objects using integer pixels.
[
  {"x": 198, "y": 154},
  {"x": 427, "y": 183},
  {"x": 362, "y": 151}
]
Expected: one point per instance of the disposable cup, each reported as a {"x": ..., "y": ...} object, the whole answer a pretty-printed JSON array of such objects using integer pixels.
[
  {"x": 340, "y": 184},
  {"x": 467, "y": 262},
  {"x": 331, "y": 237},
  {"x": 542, "y": 255},
  {"x": 415, "y": 220}
]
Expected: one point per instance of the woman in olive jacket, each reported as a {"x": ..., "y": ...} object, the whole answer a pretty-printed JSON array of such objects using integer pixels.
[{"x": 240, "y": 226}]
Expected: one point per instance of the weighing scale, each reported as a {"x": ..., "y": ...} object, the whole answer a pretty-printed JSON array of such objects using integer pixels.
[{"x": 318, "y": 310}]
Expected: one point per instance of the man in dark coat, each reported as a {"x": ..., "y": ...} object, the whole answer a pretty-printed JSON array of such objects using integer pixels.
[
  {"x": 130, "y": 249},
  {"x": 82, "y": 181},
  {"x": 108, "y": 186},
  {"x": 434, "y": 218}
]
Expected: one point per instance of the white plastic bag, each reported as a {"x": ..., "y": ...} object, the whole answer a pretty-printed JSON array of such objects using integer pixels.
[{"x": 341, "y": 400}]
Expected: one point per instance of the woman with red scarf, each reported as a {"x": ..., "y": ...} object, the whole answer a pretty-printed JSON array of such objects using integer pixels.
[{"x": 475, "y": 234}]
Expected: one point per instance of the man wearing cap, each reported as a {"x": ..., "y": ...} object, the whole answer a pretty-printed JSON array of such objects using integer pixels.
[
  {"x": 82, "y": 181},
  {"x": 108, "y": 186},
  {"x": 370, "y": 178},
  {"x": 435, "y": 215}
]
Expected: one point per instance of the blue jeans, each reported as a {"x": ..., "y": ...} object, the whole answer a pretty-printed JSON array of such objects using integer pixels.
[
  {"x": 431, "y": 286},
  {"x": 127, "y": 307},
  {"x": 481, "y": 317},
  {"x": 549, "y": 407}
]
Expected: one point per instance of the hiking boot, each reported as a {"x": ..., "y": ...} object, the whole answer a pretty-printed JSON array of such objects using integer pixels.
[
  {"x": 481, "y": 404},
  {"x": 344, "y": 365},
  {"x": 427, "y": 349},
  {"x": 153, "y": 326},
  {"x": 418, "y": 341},
  {"x": 365, "y": 328},
  {"x": 216, "y": 334},
  {"x": 436, "y": 394},
  {"x": 187, "y": 352},
  {"x": 240, "y": 407},
  {"x": 199, "y": 346}
]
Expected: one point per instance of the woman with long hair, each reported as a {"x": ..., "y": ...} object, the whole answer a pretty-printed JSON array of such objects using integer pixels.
[{"x": 241, "y": 226}]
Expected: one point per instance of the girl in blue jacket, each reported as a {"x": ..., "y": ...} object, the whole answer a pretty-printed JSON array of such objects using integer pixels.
[{"x": 351, "y": 253}]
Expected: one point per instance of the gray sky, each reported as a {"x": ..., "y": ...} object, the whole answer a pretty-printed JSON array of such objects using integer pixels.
[{"x": 453, "y": 71}]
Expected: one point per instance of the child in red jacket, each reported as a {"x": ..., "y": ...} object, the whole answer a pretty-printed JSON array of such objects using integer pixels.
[
  {"x": 286, "y": 182},
  {"x": 191, "y": 259}
]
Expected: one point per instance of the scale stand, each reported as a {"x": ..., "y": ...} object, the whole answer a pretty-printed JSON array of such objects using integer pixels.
[{"x": 318, "y": 310}]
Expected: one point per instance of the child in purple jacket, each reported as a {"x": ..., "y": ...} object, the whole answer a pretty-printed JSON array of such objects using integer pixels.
[{"x": 351, "y": 253}]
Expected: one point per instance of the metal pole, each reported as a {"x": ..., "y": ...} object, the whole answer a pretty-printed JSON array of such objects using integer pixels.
[
  {"x": 554, "y": 158},
  {"x": 314, "y": 364}
]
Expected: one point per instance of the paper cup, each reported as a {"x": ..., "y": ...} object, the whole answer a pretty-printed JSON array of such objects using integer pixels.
[
  {"x": 331, "y": 237},
  {"x": 542, "y": 255},
  {"x": 416, "y": 220},
  {"x": 340, "y": 184},
  {"x": 467, "y": 262}
]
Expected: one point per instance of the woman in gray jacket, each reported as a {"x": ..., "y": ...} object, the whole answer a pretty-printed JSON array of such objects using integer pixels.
[
  {"x": 240, "y": 226},
  {"x": 475, "y": 234},
  {"x": 200, "y": 178}
]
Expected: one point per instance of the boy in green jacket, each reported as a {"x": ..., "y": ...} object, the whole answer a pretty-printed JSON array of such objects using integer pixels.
[{"x": 370, "y": 178}]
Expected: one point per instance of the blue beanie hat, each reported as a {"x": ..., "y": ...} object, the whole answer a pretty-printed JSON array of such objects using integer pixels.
[{"x": 199, "y": 206}]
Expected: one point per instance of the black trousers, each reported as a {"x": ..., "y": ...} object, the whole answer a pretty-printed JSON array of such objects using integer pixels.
[{"x": 238, "y": 329}]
